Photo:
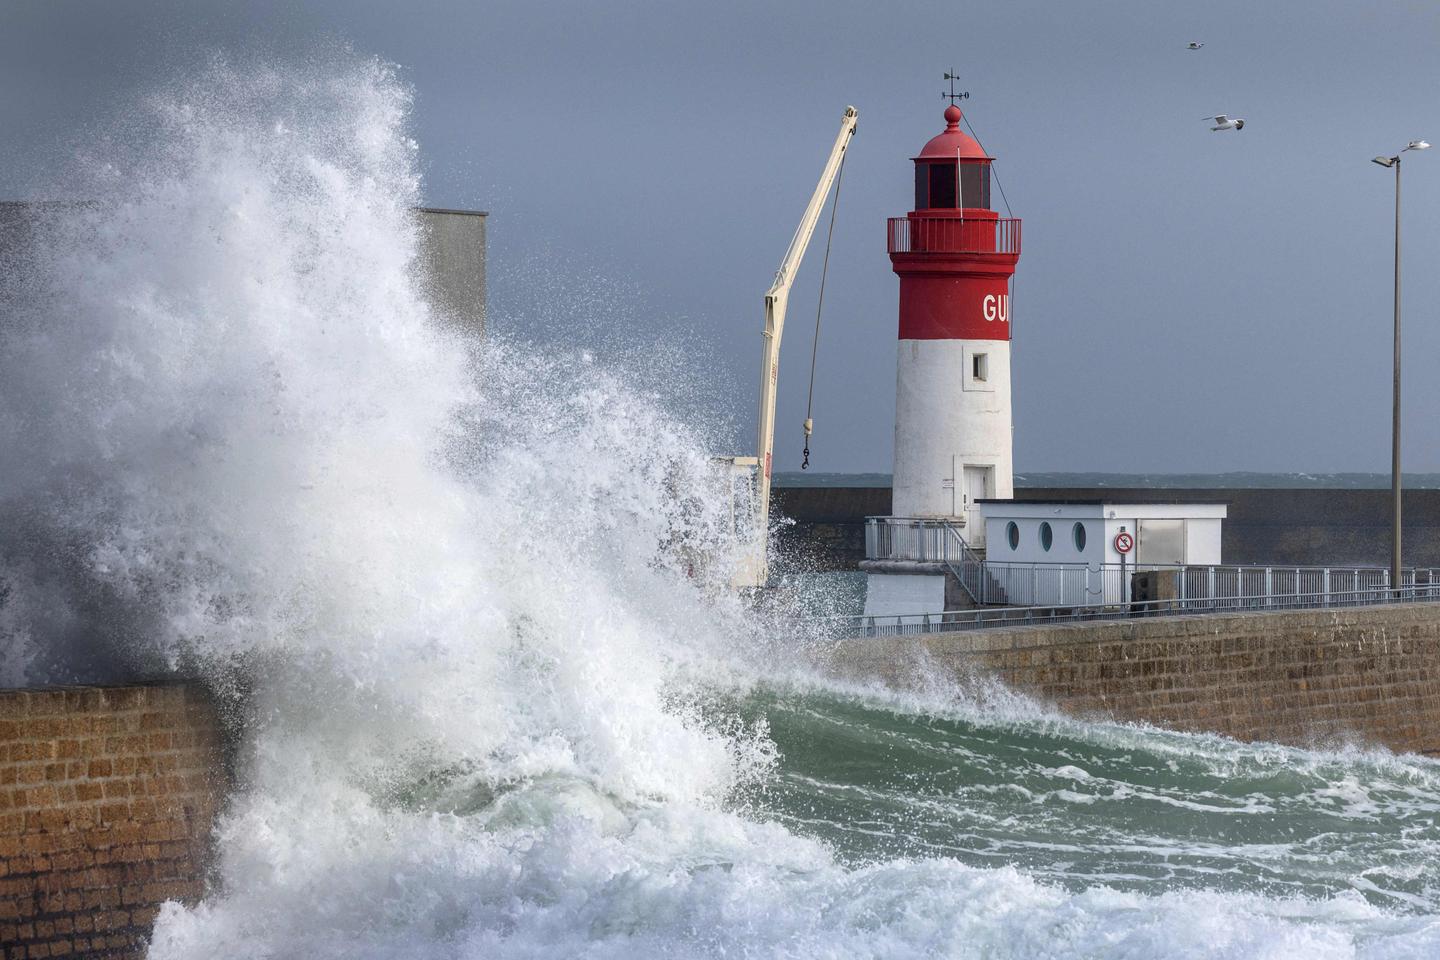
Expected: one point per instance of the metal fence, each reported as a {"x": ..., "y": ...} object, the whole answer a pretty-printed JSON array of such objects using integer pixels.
[
  {"x": 927, "y": 541},
  {"x": 909, "y": 538},
  {"x": 1085, "y": 591},
  {"x": 983, "y": 618},
  {"x": 1075, "y": 584},
  {"x": 953, "y": 235}
]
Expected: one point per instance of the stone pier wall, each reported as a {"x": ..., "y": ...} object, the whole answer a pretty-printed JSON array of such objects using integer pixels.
[
  {"x": 107, "y": 799},
  {"x": 1362, "y": 674}
]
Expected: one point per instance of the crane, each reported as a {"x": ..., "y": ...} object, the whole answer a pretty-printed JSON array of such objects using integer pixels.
[{"x": 754, "y": 568}]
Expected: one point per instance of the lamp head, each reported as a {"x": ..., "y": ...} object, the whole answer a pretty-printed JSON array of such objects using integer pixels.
[
  {"x": 1385, "y": 161},
  {"x": 1418, "y": 145}
]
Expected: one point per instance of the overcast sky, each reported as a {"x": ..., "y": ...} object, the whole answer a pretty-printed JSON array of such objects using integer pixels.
[{"x": 1186, "y": 300}]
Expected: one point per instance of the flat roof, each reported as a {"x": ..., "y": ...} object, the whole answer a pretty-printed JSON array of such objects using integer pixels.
[
  {"x": 463, "y": 213},
  {"x": 1116, "y": 509},
  {"x": 1041, "y": 501}
]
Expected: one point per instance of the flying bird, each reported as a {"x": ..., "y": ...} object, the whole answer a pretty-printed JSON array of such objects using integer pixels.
[
  {"x": 1194, "y": 45},
  {"x": 1223, "y": 122}
]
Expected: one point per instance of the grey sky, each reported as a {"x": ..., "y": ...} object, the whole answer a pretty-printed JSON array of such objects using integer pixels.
[{"x": 1186, "y": 301}]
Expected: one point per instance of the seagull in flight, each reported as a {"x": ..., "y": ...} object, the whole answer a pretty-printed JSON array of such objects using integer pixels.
[
  {"x": 1194, "y": 45},
  {"x": 1223, "y": 122}
]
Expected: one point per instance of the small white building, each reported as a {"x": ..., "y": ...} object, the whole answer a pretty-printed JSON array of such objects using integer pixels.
[
  {"x": 1164, "y": 534},
  {"x": 1069, "y": 553}
]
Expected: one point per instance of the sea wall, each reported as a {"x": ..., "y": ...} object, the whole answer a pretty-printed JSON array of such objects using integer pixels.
[
  {"x": 1363, "y": 674},
  {"x": 107, "y": 800},
  {"x": 1303, "y": 527}
]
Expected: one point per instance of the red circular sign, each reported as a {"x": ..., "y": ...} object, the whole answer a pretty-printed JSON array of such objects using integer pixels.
[{"x": 1124, "y": 542}]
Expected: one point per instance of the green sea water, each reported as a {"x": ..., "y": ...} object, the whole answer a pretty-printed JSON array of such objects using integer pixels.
[{"x": 1084, "y": 804}]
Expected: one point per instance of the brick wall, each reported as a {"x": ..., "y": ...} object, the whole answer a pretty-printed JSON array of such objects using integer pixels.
[
  {"x": 107, "y": 796},
  {"x": 1370, "y": 674}
]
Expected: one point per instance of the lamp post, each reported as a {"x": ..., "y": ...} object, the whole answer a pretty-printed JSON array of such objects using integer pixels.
[{"x": 1395, "y": 569}]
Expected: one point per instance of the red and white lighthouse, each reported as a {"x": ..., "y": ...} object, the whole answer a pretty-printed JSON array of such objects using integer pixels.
[{"x": 955, "y": 257}]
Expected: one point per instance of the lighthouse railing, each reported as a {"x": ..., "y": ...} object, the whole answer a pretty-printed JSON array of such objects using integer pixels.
[{"x": 920, "y": 234}]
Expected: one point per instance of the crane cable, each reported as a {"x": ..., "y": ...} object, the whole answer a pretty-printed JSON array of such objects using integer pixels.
[{"x": 819, "y": 305}]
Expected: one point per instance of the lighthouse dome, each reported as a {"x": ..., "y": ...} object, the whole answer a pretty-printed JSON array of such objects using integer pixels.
[{"x": 953, "y": 143}]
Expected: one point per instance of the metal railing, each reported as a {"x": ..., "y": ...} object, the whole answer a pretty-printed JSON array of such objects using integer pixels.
[
  {"x": 983, "y": 618},
  {"x": 928, "y": 540},
  {"x": 1077, "y": 584},
  {"x": 1080, "y": 586},
  {"x": 953, "y": 235}
]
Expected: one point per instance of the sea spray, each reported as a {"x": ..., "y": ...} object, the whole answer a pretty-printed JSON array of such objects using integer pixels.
[{"x": 494, "y": 705}]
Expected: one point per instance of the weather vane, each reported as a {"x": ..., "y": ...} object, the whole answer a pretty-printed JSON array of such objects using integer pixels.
[{"x": 952, "y": 96}]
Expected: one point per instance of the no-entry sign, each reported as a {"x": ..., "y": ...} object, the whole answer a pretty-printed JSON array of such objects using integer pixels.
[{"x": 1124, "y": 542}]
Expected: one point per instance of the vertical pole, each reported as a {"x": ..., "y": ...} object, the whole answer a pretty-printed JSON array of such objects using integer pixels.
[
  {"x": 1395, "y": 425},
  {"x": 1124, "y": 581}
]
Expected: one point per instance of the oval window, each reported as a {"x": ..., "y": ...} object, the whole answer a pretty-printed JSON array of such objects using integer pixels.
[
  {"x": 1012, "y": 534},
  {"x": 1079, "y": 535},
  {"x": 1047, "y": 537}
]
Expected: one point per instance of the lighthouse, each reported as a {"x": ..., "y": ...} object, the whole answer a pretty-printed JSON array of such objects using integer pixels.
[
  {"x": 954, "y": 479},
  {"x": 954, "y": 256}
]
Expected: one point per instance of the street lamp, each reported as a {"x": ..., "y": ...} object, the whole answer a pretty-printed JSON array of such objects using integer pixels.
[{"x": 1395, "y": 575}]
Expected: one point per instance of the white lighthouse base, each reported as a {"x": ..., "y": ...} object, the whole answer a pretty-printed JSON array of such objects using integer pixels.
[
  {"x": 952, "y": 430},
  {"x": 897, "y": 594}
]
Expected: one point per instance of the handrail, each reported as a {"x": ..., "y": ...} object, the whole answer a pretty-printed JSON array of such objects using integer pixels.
[
  {"x": 919, "y": 234},
  {"x": 933, "y": 540},
  {"x": 980, "y": 618},
  {"x": 972, "y": 567}
]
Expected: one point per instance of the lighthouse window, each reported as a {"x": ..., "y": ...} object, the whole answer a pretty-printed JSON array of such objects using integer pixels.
[
  {"x": 1012, "y": 535},
  {"x": 975, "y": 185},
  {"x": 934, "y": 186},
  {"x": 980, "y": 366},
  {"x": 1047, "y": 537}
]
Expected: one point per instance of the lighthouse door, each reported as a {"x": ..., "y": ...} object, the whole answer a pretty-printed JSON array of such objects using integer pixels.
[{"x": 977, "y": 487}]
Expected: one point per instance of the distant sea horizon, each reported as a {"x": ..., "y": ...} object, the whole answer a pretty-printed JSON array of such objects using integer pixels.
[{"x": 1175, "y": 481}]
